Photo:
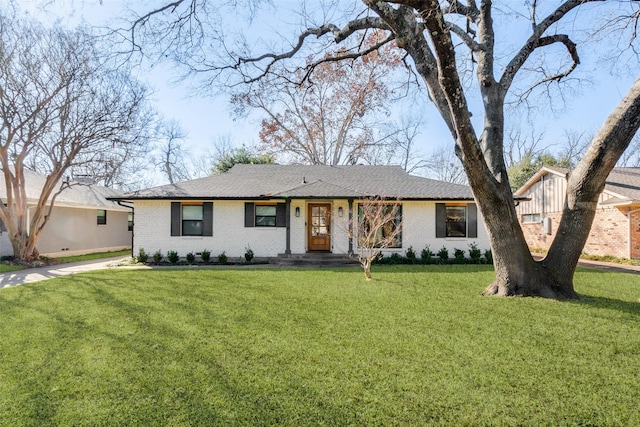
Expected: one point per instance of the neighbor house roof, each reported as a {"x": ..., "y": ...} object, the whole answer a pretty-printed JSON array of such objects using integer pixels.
[
  {"x": 75, "y": 195},
  {"x": 307, "y": 181},
  {"x": 622, "y": 185}
]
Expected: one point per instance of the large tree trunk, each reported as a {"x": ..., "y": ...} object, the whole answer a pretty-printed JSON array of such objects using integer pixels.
[{"x": 516, "y": 272}]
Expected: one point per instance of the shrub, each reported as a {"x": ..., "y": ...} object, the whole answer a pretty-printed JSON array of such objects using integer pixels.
[
  {"x": 474, "y": 253},
  {"x": 458, "y": 254},
  {"x": 488, "y": 256},
  {"x": 426, "y": 255},
  {"x": 157, "y": 257},
  {"x": 443, "y": 254},
  {"x": 173, "y": 257},
  {"x": 248, "y": 255},
  {"x": 205, "y": 256},
  {"x": 394, "y": 258},
  {"x": 222, "y": 258},
  {"x": 191, "y": 258},
  {"x": 411, "y": 255},
  {"x": 142, "y": 256}
]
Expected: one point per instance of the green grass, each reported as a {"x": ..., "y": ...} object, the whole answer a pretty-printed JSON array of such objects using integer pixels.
[
  {"x": 5, "y": 268},
  {"x": 415, "y": 346},
  {"x": 89, "y": 257}
]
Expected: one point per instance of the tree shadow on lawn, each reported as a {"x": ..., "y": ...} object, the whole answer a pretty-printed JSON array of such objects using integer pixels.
[
  {"x": 202, "y": 388},
  {"x": 603, "y": 302}
]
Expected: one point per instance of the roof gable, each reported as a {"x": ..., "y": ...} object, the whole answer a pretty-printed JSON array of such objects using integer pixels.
[{"x": 622, "y": 184}]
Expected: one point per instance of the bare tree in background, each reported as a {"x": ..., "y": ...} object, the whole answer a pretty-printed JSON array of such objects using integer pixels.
[
  {"x": 61, "y": 107},
  {"x": 453, "y": 48},
  {"x": 331, "y": 114},
  {"x": 444, "y": 165},
  {"x": 170, "y": 156}
]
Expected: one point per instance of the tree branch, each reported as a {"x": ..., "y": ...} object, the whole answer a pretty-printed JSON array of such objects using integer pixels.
[{"x": 533, "y": 42}]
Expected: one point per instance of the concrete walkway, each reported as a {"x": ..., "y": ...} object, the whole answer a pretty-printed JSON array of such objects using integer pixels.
[{"x": 30, "y": 275}]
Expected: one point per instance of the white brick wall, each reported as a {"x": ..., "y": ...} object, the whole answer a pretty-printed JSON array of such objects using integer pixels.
[{"x": 153, "y": 229}]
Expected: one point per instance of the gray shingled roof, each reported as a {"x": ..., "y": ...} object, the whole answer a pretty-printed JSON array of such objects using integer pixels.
[
  {"x": 624, "y": 182},
  {"x": 304, "y": 181},
  {"x": 76, "y": 195}
]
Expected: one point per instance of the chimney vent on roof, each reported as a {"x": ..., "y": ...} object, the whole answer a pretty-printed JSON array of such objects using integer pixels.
[
  {"x": 84, "y": 179},
  {"x": 304, "y": 180}
]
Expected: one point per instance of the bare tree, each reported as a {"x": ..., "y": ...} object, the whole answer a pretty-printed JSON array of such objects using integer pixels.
[
  {"x": 444, "y": 165},
  {"x": 631, "y": 157},
  {"x": 379, "y": 227},
  {"x": 452, "y": 46},
  {"x": 330, "y": 114},
  {"x": 518, "y": 145},
  {"x": 61, "y": 107},
  {"x": 171, "y": 158}
]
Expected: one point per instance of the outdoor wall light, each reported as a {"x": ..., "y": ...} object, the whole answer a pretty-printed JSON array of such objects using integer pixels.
[
  {"x": 297, "y": 211},
  {"x": 340, "y": 211}
]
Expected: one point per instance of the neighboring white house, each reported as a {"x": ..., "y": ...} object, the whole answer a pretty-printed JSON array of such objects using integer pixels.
[
  {"x": 279, "y": 210},
  {"x": 82, "y": 220}
]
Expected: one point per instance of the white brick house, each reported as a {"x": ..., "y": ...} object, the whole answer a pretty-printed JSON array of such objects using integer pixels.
[
  {"x": 281, "y": 210},
  {"x": 616, "y": 226}
]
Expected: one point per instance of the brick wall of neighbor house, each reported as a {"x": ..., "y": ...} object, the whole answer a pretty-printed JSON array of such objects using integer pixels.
[
  {"x": 635, "y": 233},
  {"x": 609, "y": 235},
  {"x": 534, "y": 233}
]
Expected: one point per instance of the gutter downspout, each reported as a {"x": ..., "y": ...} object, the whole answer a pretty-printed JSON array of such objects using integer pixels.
[{"x": 133, "y": 221}]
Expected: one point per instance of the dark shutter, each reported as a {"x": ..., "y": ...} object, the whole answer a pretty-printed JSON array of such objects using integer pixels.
[
  {"x": 249, "y": 214},
  {"x": 175, "y": 218},
  {"x": 281, "y": 215},
  {"x": 207, "y": 219},
  {"x": 441, "y": 220},
  {"x": 472, "y": 220}
]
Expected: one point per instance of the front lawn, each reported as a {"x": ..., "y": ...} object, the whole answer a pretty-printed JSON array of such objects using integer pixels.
[{"x": 417, "y": 345}]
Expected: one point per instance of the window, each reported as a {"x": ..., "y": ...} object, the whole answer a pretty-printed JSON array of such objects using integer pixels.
[
  {"x": 265, "y": 215},
  {"x": 531, "y": 218},
  {"x": 260, "y": 215},
  {"x": 130, "y": 221},
  {"x": 381, "y": 223},
  {"x": 192, "y": 220},
  {"x": 102, "y": 217},
  {"x": 456, "y": 220}
]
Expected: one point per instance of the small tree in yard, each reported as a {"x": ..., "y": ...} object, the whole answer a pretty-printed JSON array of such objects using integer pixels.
[{"x": 379, "y": 227}]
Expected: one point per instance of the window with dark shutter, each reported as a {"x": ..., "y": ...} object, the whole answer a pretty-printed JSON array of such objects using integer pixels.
[
  {"x": 175, "y": 218},
  {"x": 456, "y": 220},
  {"x": 249, "y": 214}
]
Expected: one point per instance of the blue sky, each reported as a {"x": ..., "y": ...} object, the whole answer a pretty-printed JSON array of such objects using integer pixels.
[{"x": 207, "y": 118}]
